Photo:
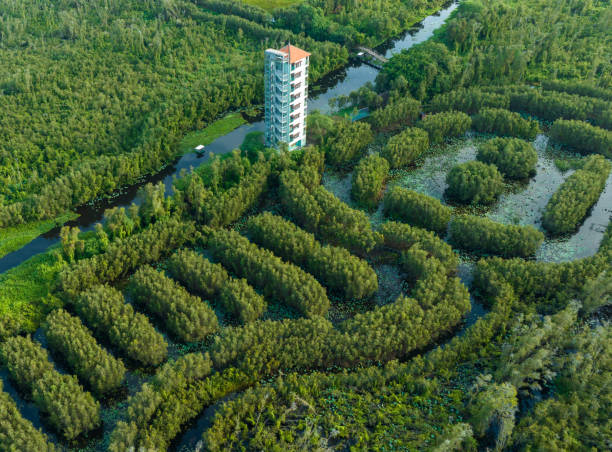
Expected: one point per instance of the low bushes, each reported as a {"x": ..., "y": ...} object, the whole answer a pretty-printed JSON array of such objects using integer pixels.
[
  {"x": 104, "y": 310},
  {"x": 513, "y": 157},
  {"x": 186, "y": 316},
  {"x": 16, "y": 432},
  {"x": 474, "y": 183},
  {"x": 571, "y": 202},
  {"x": 484, "y": 236},
  {"x": 334, "y": 267},
  {"x": 212, "y": 281},
  {"x": 347, "y": 141},
  {"x": 368, "y": 180},
  {"x": 417, "y": 209},
  {"x": 582, "y": 137},
  {"x": 70, "y": 410},
  {"x": 274, "y": 278},
  {"x": 399, "y": 112},
  {"x": 321, "y": 213},
  {"x": 505, "y": 123},
  {"x": 67, "y": 335},
  {"x": 447, "y": 124},
  {"x": 405, "y": 147},
  {"x": 123, "y": 256}
]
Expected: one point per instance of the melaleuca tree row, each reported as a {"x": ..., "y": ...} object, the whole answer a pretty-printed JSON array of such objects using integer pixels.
[
  {"x": 405, "y": 147},
  {"x": 188, "y": 317},
  {"x": 468, "y": 100},
  {"x": 275, "y": 279},
  {"x": 547, "y": 285},
  {"x": 550, "y": 105},
  {"x": 580, "y": 87},
  {"x": 346, "y": 142},
  {"x": 513, "y": 157},
  {"x": 262, "y": 347},
  {"x": 582, "y": 137},
  {"x": 447, "y": 124},
  {"x": 70, "y": 410},
  {"x": 334, "y": 267},
  {"x": 401, "y": 236},
  {"x": 224, "y": 206},
  {"x": 573, "y": 199},
  {"x": 123, "y": 256},
  {"x": 211, "y": 281},
  {"x": 369, "y": 179},
  {"x": 474, "y": 183},
  {"x": 321, "y": 213},
  {"x": 506, "y": 123},
  {"x": 92, "y": 364},
  {"x": 485, "y": 236},
  {"x": 16, "y": 432},
  {"x": 399, "y": 112},
  {"x": 177, "y": 394},
  {"x": 104, "y": 310},
  {"x": 417, "y": 209}
]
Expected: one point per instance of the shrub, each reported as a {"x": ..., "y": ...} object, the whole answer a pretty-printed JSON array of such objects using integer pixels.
[
  {"x": 321, "y": 213},
  {"x": 67, "y": 335},
  {"x": 401, "y": 236},
  {"x": 468, "y": 100},
  {"x": 417, "y": 209},
  {"x": 186, "y": 316},
  {"x": 241, "y": 300},
  {"x": 506, "y": 123},
  {"x": 405, "y": 147},
  {"x": 571, "y": 202},
  {"x": 368, "y": 180},
  {"x": 579, "y": 87},
  {"x": 197, "y": 273},
  {"x": 274, "y": 278},
  {"x": 474, "y": 183},
  {"x": 347, "y": 141},
  {"x": 513, "y": 157},
  {"x": 582, "y": 137},
  {"x": 334, "y": 267},
  {"x": 71, "y": 410},
  {"x": 123, "y": 256},
  {"x": 106, "y": 313},
  {"x": 484, "y": 236},
  {"x": 400, "y": 112},
  {"x": 447, "y": 124},
  {"x": 18, "y": 433}
]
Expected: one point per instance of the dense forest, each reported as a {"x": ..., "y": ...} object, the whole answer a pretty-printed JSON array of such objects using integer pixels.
[{"x": 344, "y": 296}]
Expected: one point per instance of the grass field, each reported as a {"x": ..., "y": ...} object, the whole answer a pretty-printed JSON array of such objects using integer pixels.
[
  {"x": 212, "y": 132},
  {"x": 25, "y": 289},
  {"x": 11, "y": 239},
  {"x": 269, "y": 5}
]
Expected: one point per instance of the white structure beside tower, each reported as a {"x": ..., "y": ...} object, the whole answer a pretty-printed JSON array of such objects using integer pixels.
[{"x": 286, "y": 95}]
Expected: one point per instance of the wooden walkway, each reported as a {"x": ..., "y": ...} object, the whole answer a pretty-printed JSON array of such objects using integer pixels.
[{"x": 373, "y": 54}]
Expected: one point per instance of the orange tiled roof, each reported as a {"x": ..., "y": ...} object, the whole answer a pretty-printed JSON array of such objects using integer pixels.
[{"x": 295, "y": 53}]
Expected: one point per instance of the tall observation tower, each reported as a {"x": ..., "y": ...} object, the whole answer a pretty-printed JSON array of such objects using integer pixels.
[{"x": 286, "y": 93}]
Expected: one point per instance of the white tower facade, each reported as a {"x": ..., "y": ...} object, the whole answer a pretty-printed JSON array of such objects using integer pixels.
[{"x": 286, "y": 95}]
